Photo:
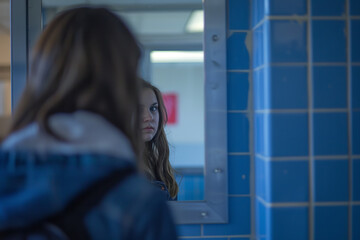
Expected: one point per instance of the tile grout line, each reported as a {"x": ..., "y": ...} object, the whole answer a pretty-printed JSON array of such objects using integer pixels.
[
  {"x": 310, "y": 122},
  {"x": 349, "y": 114}
]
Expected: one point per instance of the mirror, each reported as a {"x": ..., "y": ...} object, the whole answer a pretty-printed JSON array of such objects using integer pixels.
[{"x": 173, "y": 60}]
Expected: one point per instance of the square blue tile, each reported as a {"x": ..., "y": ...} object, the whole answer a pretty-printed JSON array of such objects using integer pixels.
[
  {"x": 330, "y": 87},
  {"x": 288, "y": 88},
  {"x": 258, "y": 11},
  {"x": 262, "y": 177},
  {"x": 238, "y": 14},
  {"x": 288, "y": 7},
  {"x": 330, "y": 134},
  {"x": 287, "y": 41},
  {"x": 331, "y": 182},
  {"x": 355, "y": 222},
  {"x": 239, "y": 219},
  {"x": 239, "y": 174},
  {"x": 355, "y": 132},
  {"x": 288, "y": 134},
  {"x": 206, "y": 238},
  {"x": 237, "y": 91},
  {"x": 258, "y": 46},
  {"x": 237, "y": 52},
  {"x": 289, "y": 223},
  {"x": 261, "y": 93},
  {"x": 331, "y": 223},
  {"x": 355, "y": 87},
  {"x": 261, "y": 219},
  {"x": 355, "y": 39},
  {"x": 354, "y": 7},
  {"x": 329, "y": 41},
  {"x": 356, "y": 179},
  {"x": 328, "y": 8},
  {"x": 288, "y": 181},
  {"x": 238, "y": 132},
  {"x": 261, "y": 136},
  {"x": 188, "y": 229}
]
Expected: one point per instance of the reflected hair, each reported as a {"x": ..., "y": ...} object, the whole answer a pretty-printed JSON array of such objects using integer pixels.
[
  {"x": 156, "y": 153},
  {"x": 86, "y": 59}
]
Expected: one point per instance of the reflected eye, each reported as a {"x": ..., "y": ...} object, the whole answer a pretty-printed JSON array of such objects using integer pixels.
[{"x": 154, "y": 108}]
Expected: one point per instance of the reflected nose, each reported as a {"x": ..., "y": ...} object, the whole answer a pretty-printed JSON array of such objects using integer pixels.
[{"x": 147, "y": 116}]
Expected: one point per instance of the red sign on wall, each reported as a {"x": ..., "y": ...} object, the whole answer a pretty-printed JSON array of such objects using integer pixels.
[{"x": 171, "y": 105}]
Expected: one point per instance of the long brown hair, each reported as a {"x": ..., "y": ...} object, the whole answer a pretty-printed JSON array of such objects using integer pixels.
[
  {"x": 156, "y": 152},
  {"x": 86, "y": 59}
]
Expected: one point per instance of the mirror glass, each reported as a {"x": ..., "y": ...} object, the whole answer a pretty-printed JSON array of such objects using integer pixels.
[{"x": 171, "y": 35}]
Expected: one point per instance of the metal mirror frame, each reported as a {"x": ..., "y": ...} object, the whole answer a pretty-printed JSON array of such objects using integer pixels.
[{"x": 25, "y": 27}]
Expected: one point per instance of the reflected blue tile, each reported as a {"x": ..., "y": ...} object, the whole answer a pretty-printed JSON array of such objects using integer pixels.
[
  {"x": 288, "y": 134},
  {"x": 355, "y": 39},
  {"x": 328, "y": 8},
  {"x": 288, "y": 181},
  {"x": 330, "y": 87},
  {"x": 355, "y": 222},
  {"x": 354, "y": 7},
  {"x": 289, "y": 223},
  {"x": 237, "y": 52},
  {"x": 288, "y": 88},
  {"x": 239, "y": 219},
  {"x": 331, "y": 222},
  {"x": 238, "y": 91},
  {"x": 330, "y": 134},
  {"x": 238, "y": 14},
  {"x": 258, "y": 11},
  {"x": 355, "y": 132},
  {"x": 331, "y": 180},
  {"x": 288, "y": 7},
  {"x": 356, "y": 179},
  {"x": 238, "y": 132},
  {"x": 188, "y": 229},
  {"x": 329, "y": 41},
  {"x": 288, "y": 41},
  {"x": 355, "y": 87},
  {"x": 239, "y": 174}
]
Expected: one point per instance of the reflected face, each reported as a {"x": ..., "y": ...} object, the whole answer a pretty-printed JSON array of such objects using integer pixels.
[{"x": 150, "y": 114}]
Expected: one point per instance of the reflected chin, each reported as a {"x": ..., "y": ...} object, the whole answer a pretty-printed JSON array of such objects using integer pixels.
[{"x": 147, "y": 137}]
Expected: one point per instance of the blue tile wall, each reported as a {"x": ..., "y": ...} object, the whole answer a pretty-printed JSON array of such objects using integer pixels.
[
  {"x": 238, "y": 90},
  {"x": 356, "y": 179},
  {"x": 237, "y": 51},
  {"x": 287, "y": 41},
  {"x": 289, "y": 223},
  {"x": 355, "y": 133},
  {"x": 355, "y": 87},
  {"x": 287, "y": 7},
  {"x": 288, "y": 88},
  {"x": 238, "y": 14},
  {"x": 354, "y": 7},
  {"x": 329, "y": 41},
  {"x": 260, "y": 85},
  {"x": 355, "y": 222},
  {"x": 238, "y": 132},
  {"x": 330, "y": 133},
  {"x": 239, "y": 174},
  {"x": 331, "y": 180},
  {"x": 329, "y": 86},
  {"x": 333, "y": 7},
  {"x": 257, "y": 11},
  {"x": 331, "y": 223},
  {"x": 258, "y": 46},
  {"x": 355, "y": 39}
]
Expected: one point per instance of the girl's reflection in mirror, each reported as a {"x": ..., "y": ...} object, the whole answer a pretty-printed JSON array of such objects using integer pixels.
[{"x": 156, "y": 153}]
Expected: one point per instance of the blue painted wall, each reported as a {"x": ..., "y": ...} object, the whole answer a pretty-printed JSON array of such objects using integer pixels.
[{"x": 293, "y": 122}]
